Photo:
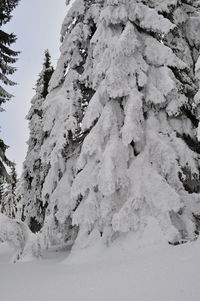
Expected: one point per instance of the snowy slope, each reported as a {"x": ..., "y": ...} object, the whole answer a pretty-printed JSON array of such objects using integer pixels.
[{"x": 163, "y": 273}]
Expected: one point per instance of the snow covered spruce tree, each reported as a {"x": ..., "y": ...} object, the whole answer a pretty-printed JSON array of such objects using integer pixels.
[
  {"x": 138, "y": 168},
  {"x": 120, "y": 150},
  {"x": 32, "y": 177},
  {"x": 64, "y": 107}
]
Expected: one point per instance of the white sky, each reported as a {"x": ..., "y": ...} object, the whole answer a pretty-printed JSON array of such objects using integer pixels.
[{"x": 37, "y": 24}]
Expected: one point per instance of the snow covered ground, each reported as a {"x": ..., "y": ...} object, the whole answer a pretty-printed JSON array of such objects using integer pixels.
[{"x": 163, "y": 273}]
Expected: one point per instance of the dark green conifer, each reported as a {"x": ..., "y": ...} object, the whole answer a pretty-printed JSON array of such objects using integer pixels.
[{"x": 7, "y": 58}]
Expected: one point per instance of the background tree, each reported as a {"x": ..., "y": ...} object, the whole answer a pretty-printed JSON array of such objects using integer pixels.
[
  {"x": 4, "y": 160},
  {"x": 45, "y": 75},
  {"x": 9, "y": 202},
  {"x": 7, "y": 55},
  {"x": 32, "y": 177},
  {"x": 2, "y": 191},
  {"x": 7, "y": 58}
]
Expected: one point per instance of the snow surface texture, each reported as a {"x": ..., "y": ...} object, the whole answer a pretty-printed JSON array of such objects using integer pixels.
[
  {"x": 119, "y": 127},
  {"x": 110, "y": 274}
]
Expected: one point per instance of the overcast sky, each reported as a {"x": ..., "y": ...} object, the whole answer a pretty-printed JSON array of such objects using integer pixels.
[{"x": 37, "y": 24}]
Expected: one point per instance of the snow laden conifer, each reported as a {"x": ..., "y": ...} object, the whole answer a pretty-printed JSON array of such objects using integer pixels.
[
  {"x": 141, "y": 121},
  {"x": 32, "y": 177},
  {"x": 120, "y": 150},
  {"x": 69, "y": 94}
]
